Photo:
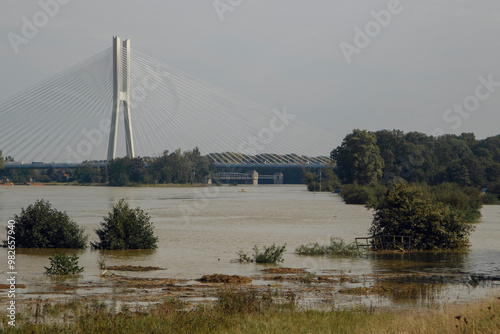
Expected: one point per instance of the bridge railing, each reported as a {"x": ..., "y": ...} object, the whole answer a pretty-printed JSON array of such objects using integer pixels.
[{"x": 384, "y": 242}]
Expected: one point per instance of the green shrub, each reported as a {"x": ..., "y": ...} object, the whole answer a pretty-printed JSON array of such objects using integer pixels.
[
  {"x": 408, "y": 211},
  {"x": 327, "y": 181},
  {"x": 126, "y": 228},
  {"x": 62, "y": 264},
  {"x": 272, "y": 254},
  {"x": 368, "y": 195},
  {"x": 465, "y": 201},
  {"x": 40, "y": 226},
  {"x": 490, "y": 199},
  {"x": 337, "y": 246}
]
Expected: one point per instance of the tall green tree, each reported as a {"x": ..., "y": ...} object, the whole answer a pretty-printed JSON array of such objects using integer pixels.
[
  {"x": 391, "y": 145},
  {"x": 358, "y": 158},
  {"x": 1, "y": 160}
]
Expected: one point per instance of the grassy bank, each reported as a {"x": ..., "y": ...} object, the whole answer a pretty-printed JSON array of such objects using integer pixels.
[{"x": 247, "y": 312}]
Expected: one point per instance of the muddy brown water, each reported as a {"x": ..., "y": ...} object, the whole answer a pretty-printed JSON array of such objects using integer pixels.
[{"x": 200, "y": 231}]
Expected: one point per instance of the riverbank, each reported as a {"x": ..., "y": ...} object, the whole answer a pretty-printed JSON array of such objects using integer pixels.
[{"x": 244, "y": 311}]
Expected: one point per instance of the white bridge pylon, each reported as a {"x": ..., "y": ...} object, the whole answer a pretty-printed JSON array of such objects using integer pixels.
[
  {"x": 66, "y": 118},
  {"x": 121, "y": 93}
]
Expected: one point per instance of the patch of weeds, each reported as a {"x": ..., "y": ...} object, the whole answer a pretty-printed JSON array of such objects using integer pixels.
[
  {"x": 272, "y": 254},
  {"x": 244, "y": 258},
  {"x": 308, "y": 278},
  {"x": 171, "y": 305},
  {"x": 125, "y": 308},
  {"x": 246, "y": 301},
  {"x": 233, "y": 301},
  {"x": 337, "y": 246},
  {"x": 96, "y": 307}
]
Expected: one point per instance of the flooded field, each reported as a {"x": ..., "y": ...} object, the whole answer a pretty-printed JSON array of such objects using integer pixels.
[{"x": 200, "y": 231}]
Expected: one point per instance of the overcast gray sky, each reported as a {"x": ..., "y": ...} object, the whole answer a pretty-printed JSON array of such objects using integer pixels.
[{"x": 405, "y": 70}]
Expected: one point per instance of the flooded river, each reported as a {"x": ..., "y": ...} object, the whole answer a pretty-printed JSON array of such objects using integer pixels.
[{"x": 201, "y": 230}]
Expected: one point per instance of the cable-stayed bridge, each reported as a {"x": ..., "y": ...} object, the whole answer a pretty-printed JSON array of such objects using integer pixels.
[{"x": 122, "y": 102}]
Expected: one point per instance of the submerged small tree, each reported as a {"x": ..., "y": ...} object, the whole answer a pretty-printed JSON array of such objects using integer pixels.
[
  {"x": 126, "y": 228},
  {"x": 62, "y": 264},
  {"x": 407, "y": 210},
  {"x": 40, "y": 226}
]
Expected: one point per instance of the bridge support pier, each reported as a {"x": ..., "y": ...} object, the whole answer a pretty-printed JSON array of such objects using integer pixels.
[
  {"x": 255, "y": 177},
  {"x": 121, "y": 93}
]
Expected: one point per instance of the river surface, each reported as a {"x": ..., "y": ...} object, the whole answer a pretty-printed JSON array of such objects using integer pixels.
[{"x": 201, "y": 230}]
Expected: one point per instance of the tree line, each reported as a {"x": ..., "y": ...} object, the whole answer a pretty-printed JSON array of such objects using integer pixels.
[
  {"x": 385, "y": 156},
  {"x": 176, "y": 167},
  {"x": 171, "y": 167}
]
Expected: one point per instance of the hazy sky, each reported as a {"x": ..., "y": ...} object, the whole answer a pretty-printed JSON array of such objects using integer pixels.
[{"x": 336, "y": 64}]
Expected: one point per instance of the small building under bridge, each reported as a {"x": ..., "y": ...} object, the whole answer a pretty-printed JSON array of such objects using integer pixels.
[{"x": 249, "y": 177}]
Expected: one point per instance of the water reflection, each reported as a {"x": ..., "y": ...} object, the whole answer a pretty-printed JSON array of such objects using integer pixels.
[
  {"x": 47, "y": 252},
  {"x": 136, "y": 254},
  {"x": 419, "y": 262}
]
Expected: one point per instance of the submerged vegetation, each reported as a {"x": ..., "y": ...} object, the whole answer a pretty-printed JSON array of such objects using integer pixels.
[
  {"x": 337, "y": 246},
  {"x": 62, "y": 264},
  {"x": 272, "y": 254},
  {"x": 41, "y": 226},
  {"x": 126, "y": 228},
  {"x": 406, "y": 210},
  {"x": 464, "y": 201},
  {"x": 421, "y": 187}
]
